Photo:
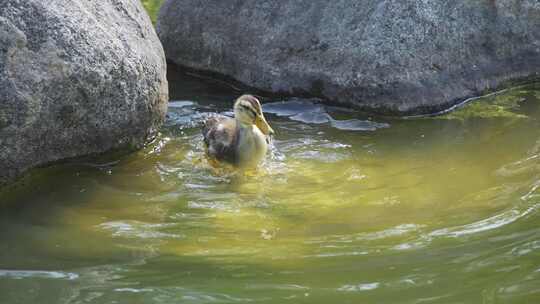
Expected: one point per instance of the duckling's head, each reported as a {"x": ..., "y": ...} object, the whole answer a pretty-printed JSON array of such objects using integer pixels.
[{"x": 248, "y": 111}]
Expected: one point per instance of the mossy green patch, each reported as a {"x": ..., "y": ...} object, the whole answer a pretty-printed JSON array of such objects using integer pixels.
[
  {"x": 505, "y": 104},
  {"x": 152, "y": 7}
]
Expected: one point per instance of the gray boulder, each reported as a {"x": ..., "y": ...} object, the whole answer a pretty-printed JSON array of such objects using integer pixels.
[
  {"x": 397, "y": 56},
  {"x": 77, "y": 77}
]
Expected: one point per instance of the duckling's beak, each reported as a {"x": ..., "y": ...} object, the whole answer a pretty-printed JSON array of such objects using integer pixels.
[{"x": 263, "y": 125}]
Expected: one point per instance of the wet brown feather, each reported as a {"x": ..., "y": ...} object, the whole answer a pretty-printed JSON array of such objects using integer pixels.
[{"x": 220, "y": 142}]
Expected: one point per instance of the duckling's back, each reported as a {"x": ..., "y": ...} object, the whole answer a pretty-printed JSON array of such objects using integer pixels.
[{"x": 220, "y": 137}]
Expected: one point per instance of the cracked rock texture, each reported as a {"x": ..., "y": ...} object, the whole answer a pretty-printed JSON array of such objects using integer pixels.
[
  {"x": 77, "y": 77},
  {"x": 388, "y": 56}
]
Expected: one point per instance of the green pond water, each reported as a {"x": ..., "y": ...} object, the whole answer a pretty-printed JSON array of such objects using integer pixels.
[{"x": 346, "y": 209}]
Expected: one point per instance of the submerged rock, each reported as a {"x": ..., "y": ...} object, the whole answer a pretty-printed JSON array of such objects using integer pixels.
[
  {"x": 310, "y": 111},
  {"x": 292, "y": 107},
  {"x": 76, "y": 77},
  {"x": 408, "y": 57}
]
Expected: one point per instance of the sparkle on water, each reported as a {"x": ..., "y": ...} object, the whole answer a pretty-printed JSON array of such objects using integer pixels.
[{"x": 347, "y": 208}]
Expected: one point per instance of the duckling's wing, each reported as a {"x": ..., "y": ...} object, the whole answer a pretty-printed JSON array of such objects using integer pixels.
[{"x": 220, "y": 137}]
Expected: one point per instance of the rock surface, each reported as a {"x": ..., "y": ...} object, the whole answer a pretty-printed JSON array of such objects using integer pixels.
[
  {"x": 77, "y": 77},
  {"x": 405, "y": 57}
]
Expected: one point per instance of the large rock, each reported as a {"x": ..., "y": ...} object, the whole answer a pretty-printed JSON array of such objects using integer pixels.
[
  {"x": 401, "y": 56},
  {"x": 77, "y": 77}
]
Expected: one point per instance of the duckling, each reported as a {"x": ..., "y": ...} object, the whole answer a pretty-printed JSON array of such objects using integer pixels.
[{"x": 240, "y": 141}]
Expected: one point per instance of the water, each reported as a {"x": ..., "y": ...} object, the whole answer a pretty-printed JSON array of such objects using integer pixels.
[{"x": 346, "y": 209}]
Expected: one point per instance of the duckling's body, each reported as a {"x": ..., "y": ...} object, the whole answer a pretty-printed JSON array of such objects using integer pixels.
[
  {"x": 234, "y": 143},
  {"x": 240, "y": 141}
]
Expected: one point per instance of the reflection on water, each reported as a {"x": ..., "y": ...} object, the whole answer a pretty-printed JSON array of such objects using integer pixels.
[{"x": 346, "y": 208}]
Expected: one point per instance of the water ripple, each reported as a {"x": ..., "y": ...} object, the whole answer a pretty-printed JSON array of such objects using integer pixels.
[
  {"x": 359, "y": 287},
  {"x": 23, "y": 274},
  {"x": 136, "y": 229},
  {"x": 490, "y": 223}
]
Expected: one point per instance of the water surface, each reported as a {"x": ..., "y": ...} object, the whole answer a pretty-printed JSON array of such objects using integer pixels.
[{"x": 346, "y": 209}]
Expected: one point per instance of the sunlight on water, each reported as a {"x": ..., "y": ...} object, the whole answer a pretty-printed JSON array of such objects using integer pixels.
[{"x": 345, "y": 208}]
